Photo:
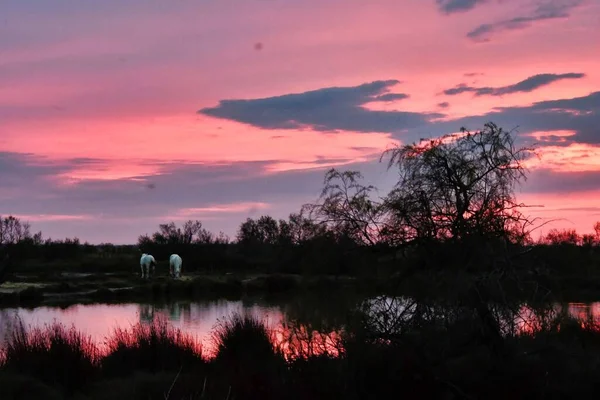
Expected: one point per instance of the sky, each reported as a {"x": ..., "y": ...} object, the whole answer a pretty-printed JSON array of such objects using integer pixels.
[{"x": 119, "y": 115}]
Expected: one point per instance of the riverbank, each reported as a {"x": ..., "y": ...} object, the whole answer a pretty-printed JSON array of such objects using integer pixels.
[
  {"x": 36, "y": 289},
  {"x": 69, "y": 288}
]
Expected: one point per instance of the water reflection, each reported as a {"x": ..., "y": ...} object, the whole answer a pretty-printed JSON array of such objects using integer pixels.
[
  {"x": 99, "y": 320},
  {"x": 388, "y": 316},
  {"x": 301, "y": 326}
]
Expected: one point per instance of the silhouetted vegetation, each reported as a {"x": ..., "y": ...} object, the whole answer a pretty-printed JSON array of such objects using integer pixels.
[
  {"x": 150, "y": 348},
  {"x": 390, "y": 346}
]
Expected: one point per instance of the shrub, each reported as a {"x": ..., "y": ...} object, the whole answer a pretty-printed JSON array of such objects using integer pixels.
[
  {"x": 151, "y": 348},
  {"x": 54, "y": 355}
]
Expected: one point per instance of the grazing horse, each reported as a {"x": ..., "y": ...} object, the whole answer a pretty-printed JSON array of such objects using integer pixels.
[
  {"x": 175, "y": 265},
  {"x": 146, "y": 262}
]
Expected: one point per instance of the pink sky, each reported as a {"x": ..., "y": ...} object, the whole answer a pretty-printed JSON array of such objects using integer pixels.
[{"x": 100, "y": 100}]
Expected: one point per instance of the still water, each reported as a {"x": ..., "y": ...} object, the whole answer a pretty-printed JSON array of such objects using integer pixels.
[
  {"x": 195, "y": 318},
  {"x": 318, "y": 322}
]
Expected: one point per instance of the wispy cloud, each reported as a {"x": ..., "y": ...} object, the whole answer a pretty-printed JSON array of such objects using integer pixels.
[
  {"x": 214, "y": 210},
  {"x": 552, "y": 136},
  {"x": 527, "y": 85},
  {"x": 575, "y": 157},
  {"x": 544, "y": 10},
  {"x": 51, "y": 217}
]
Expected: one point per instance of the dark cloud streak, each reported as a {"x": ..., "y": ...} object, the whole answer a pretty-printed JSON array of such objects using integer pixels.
[
  {"x": 456, "y": 6},
  {"x": 327, "y": 109},
  {"x": 547, "y": 10},
  {"x": 527, "y": 85}
]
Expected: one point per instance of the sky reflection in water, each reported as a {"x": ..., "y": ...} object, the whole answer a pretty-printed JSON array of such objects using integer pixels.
[{"x": 200, "y": 318}]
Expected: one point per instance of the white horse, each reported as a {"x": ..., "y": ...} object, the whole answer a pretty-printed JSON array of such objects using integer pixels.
[
  {"x": 146, "y": 262},
  {"x": 175, "y": 265}
]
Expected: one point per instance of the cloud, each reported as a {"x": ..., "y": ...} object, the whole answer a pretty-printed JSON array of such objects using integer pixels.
[
  {"x": 527, "y": 85},
  {"x": 563, "y": 136},
  {"x": 579, "y": 114},
  {"x": 545, "y": 10},
  {"x": 52, "y": 217},
  {"x": 549, "y": 181},
  {"x": 391, "y": 97},
  {"x": 120, "y": 210},
  {"x": 327, "y": 109},
  {"x": 444, "y": 104},
  {"x": 575, "y": 157},
  {"x": 212, "y": 210},
  {"x": 454, "y": 6},
  {"x": 199, "y": 188}
]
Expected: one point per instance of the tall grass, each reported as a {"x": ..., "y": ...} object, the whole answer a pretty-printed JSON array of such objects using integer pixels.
[
  {"x": 156, "y": 361},
  {"x": 54, "y": 355},
  {"x": 151, "y": 348},
  {"x": 247, "y": 358}
]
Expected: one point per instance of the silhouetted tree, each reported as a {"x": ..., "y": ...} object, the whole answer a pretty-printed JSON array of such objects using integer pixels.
[
  {"x": 13, "y": 230},
  {"x": 565, "y": 236},
  {"x": 303, "y": 229},
  {"x": 264, "y": 230},
  {"x": 345, "y": 208},
  {"x": 459, "y": 186},
  {"x": 15, "y": 235},
  {"x": 192, "y": 232}
]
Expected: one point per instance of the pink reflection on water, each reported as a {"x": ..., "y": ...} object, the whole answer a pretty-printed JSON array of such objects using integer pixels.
[
  {"x": 197, "y": 319},
  {"x": 529, "y": 322},
  {"x": 100, "y": 320}
]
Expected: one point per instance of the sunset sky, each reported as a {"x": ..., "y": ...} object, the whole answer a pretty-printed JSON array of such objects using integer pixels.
[{"x": 118, "y": 115}]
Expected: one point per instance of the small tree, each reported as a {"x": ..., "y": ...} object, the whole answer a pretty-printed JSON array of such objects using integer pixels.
[
  {"x": 346, "y": 208},
  {"x": 14, "y": 234},
  {"x": 264, "y": 230},
  {"x": 13, "y": 230}
]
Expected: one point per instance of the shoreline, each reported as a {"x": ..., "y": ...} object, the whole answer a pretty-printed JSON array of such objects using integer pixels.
[
  {"x": 35, "y": 290},
  {"x": 99, "y": 288}
]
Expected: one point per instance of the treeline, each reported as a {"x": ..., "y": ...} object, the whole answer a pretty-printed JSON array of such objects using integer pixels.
[{"x": 453, "y": 204}]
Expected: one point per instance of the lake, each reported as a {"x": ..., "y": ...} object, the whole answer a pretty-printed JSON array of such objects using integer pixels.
[{"x": 319, "y": 319}]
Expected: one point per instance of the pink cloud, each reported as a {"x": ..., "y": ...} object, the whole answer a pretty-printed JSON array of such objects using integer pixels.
[
  {"x": 216, "y": 210},
  {"x": 138, "y": 148},
  {"x": 576, "y": 157},
  {"x": 52, "y": 217},
  {"x": 547, "y": 136}
]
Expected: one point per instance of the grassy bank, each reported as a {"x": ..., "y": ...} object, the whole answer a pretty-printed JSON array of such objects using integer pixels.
[
  {"x": 31, "y": 290},
  {"x": 424, "y": 360},
  {"x": 58, "y": 288}
]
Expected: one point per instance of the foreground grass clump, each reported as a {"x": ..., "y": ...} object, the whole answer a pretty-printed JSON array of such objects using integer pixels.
[
  {"x": 55, "y": 355},
  {"x": 246, "y": 357},
  {"x": 151, "y": 348}
]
